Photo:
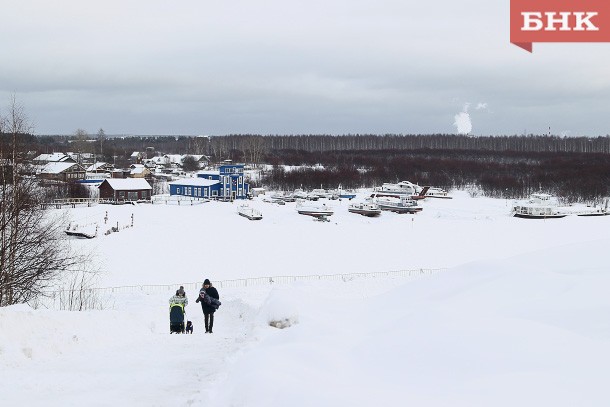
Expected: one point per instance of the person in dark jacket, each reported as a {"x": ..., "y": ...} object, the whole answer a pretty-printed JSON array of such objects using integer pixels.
[{"x": 208, "y": 307}]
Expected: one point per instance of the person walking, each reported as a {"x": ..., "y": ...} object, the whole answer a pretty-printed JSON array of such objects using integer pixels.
[
  {"x": 208, "y": 305},
  {"x": 176, "y": 312},
  {"x": 179, "y": 298}
]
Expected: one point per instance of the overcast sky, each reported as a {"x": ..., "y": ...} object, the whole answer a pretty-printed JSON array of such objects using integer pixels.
[{"x": 293, "y": 67}]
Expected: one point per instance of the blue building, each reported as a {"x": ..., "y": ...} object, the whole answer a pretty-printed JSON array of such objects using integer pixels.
[
  {"x": 227, "y": 184},
  {"x": 195, "y": 187}
]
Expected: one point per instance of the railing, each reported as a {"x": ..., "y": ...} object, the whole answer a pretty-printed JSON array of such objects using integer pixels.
[
  {"x": 178, "y": 199},
  {"x": 247, "y": 282},
  {"x": 60, "y": 202}
]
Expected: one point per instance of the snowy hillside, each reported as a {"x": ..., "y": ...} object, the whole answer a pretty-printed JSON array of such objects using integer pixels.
[{"x": 517, "y": 316}]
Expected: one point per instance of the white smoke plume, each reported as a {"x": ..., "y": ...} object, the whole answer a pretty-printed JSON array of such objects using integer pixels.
[{"x": 462, "y": 121}]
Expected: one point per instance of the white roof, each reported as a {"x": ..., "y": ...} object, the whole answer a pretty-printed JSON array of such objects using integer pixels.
[
  {"x": 209, "y": 172},
  {"x": 58, "y": 167},
  {"x": 194, "y": 182},
  {"x": 126, "y": 184},
  {"x": 95, "y": 166},
  {"x": 174, "y": 158},
  {"x": 138, "y": 169},
  {"x": 54, "y": 157}
]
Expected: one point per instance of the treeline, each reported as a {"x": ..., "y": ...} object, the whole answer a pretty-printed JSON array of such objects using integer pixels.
[
  {"x": 574, "y": 177},
  {"x": 324, "y": 143},
  {"x": 252, "y": 147}
]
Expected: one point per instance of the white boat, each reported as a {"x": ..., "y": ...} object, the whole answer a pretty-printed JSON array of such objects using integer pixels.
[
  {"x": 594, "y": 210},
  {"x": 83, "y": 231},
  {"x": 276, "y": 199},
  {"x": 249, "y": 213},
  {"x": 398, "y": 205},
  {"x": 321, "y": 193},
  {"x": 300, "y": 194},
  {"x": 435, "y": 192},
  {"x": 401, "y": 189},
  {"x": 315, "y": 210},
  {"x": 370, "y": 209},
  {"x": 539, "y": 206}
]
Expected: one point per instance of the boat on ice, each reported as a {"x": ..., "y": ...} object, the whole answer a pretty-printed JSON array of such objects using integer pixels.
[
  {"x": 539, "y": 206},
  {"x": 85, "y": 231},
  {"x": 249, "y": 213},
  {"x": 370, "y": 209},
  {"x": 435, "y": 192},
  {"x": 594, "y": 210},
  {"x": 398, "y": 205},
  {"x": 346, "y": 194},
  {"x": 276, "y": 199},
  {"x": 400, "y": 190},
  {"x": 315, "y": 210}
]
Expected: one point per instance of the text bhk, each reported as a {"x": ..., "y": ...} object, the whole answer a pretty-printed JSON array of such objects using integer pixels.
[{"x": 559, "y": 21}]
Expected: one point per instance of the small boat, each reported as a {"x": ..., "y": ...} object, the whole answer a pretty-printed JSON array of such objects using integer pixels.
[
  {"x": 435, "y": 192},
  {"x": 321, "y": 193},
  {"x": 398, "y": 205},
  {"x": 249, "y": 213},
  {"x": 401, "y": 189},
  {"x": 595, "y": 211},
  {"x": 275, "y": 199},
  {"x": 539, "y": 206},
  {"x": 317, "y": 211},
  {"x": 346, "y": 194},
  {"x": 82, "y": 232},
  {"x": 370, "y": 209},
  {"x": 300, "y": 194}
]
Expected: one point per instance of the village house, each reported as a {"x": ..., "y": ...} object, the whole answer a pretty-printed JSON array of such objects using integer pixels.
[
  {"x": 62, "y": 171},
  {"x": 100, "y": 167},
  {"x": 127, "y": 189},
  {"x": 136, "y": 157},
  {"x": 44, "y": 159},
  {"x": 139, "y": 171}
]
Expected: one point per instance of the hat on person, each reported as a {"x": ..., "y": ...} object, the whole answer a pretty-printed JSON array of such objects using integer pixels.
[{"x": 206, "y": 282}]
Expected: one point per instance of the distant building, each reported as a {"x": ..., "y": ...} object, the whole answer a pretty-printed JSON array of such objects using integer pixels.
[
  {"x": 195, "y": 187},
  {"x": 100, "y": 167},
  {"x": 232, "y": 183},
  {"x": 62, "y": 171},
  {"x": 227, "y": 183},
  {"x": 136, "y": 157},
  {"x": 43, "y": 159},
  {"x": 128, "y": 189},
  {"x": 138, "y": 171}
]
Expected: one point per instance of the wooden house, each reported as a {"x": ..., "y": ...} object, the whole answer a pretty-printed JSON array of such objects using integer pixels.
[
  {"x": 139, "y": 171},
  {"x": 125, "y": 189},
  {"x": 62, "y": 171}
]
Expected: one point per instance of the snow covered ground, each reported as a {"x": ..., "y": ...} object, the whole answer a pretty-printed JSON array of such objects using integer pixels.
[{"x": 517, "y": 316}]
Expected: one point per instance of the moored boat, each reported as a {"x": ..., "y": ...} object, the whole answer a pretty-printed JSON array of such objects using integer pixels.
[
  {"x": 539, "y": 206},
  {"x": 249, "y": 213},
  {"x": 315, "y": 210},
  {"x": 370, "y": 209},
  {"x": 398, "y": 205},
  {"x": 401, "y": 189},
  {"x": 435, "y": 192}
]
